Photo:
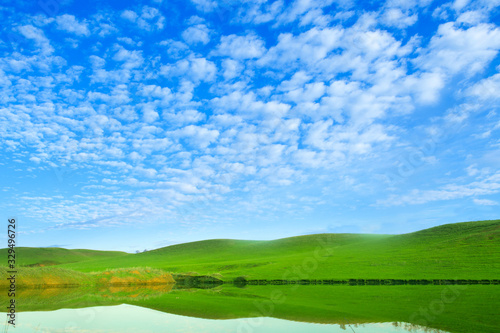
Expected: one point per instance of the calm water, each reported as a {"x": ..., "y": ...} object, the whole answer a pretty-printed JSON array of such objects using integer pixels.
[
  {"x": 134, "y": 319},
  {"x": 254, "y": 309}
]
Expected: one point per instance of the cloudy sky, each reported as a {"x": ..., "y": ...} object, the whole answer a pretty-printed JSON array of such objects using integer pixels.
[{"x": 135, "y": 126}]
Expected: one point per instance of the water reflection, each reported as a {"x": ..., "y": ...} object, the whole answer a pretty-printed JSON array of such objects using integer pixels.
[
  {"x": 260, "y": 309},
  {"x": 135, "y": 319}
]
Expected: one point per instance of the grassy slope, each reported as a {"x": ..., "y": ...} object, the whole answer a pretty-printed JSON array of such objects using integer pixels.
[
  {"x": 35, "y": 277},
  {"x": 27, "y": 256},
  {"x": 469, "y": 250}
]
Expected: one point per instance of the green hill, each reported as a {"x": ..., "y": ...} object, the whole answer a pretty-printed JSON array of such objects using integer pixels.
[
  {"x": 469, "y": 250},
  {"x": 49, "y": 256}
]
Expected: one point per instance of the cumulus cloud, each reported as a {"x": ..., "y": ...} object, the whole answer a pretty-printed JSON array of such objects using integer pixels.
[
  {"x": 129, "y": 15},
  {"x": 196, "y": 68},
  {"x": 299, "y": 96},
  {"x": 130, "y": 59},
  {"x": 149, "y": 19},
  {"x": 453, "y": 49},
  {"x": 205, "y": 5},
  {"x": 196, "y": 34},
  {"x": 310, "y": 11},
  {"x": 394, "y": 17},
  {"x": 198, "y": 135},
  {"x": 308, "y": 47},
  {"x": 486, "y": 89},
  {"x": 38, "y": 36},
  {"x": 70, "y": 24},
  {"x": 240, "y": 47},
  {"x": 149, "y": 113}
]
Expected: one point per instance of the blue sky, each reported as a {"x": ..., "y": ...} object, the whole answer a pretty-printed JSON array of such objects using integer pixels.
[{"x": 137, "y": 125}]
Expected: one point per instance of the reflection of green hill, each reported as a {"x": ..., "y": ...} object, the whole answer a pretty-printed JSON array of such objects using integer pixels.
[
  {"x": 449, "y": 308},
  {"x": 468, "y": 250}
]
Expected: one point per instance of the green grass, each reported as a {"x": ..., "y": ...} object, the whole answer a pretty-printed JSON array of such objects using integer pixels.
[
  {"x": 49, "y": 256},
  {"x": 469, "y": 250},
  {"x": 43, "y": 277}
]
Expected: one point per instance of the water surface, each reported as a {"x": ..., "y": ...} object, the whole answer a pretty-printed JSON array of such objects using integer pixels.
[
  {"x": 227, "y": 308},
  {"x": 134, "y": 319}
]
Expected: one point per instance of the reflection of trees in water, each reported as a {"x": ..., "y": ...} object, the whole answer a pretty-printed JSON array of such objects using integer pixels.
[
  {"x": 416, "y": 328},
  {"x": 408, "y": 327},
  {"x": 343, "y": 325}
]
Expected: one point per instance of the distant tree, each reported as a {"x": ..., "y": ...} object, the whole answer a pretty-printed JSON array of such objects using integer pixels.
[{"x": 137, "y": 251}]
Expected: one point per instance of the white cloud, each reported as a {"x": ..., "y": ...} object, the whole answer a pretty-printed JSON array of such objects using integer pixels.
[
  {"x": 198, "y": 135},
  {"x": 127, "y": 40},
  {"x": 196, "y": 34},
  {"x": 486, "y": 89},
  {"x": 472, "y": 17},
  {"x": 184, "y": 117},
  {"x": 308, "y": 47},
  {"x": 488, "y": 185},
  {"x": 149, "y": 113},
  {"x": 130, "y": 59},
  {"x": 260, "y": 12},
  {"x": 309, "y": 93},
  {"x": 196, "y": 68},
  {"x": 425, "y": 86},
  {"x": 232, "y": 68},
  {"x": 154, "y": 92},
  {"x": 394, "y": 17},
  {"x": 485, "y": 202},
  {"x": 70, "y": 24},
  {"x": 307, "y": 11},
  {"x": 135, "y": 156},
  {"x": 249, "y": 106},
  {"x": 205, "y": 5},
  {"x": 38, "y": 36},
  {"x": 150, "y": 18},
  {"x": 175, "y": 49},
  {"x": 35, "y": 159},
  {"x": 241, "y": 47},
  {"x": 453, "y": 50},
  {"x": 459, "y": 4},
  {"x": 320, "y": 102},
  {"x": 97, "y": 62},
  {"x": 106, "y": 29},
  {"x": 129, "y": 15}
]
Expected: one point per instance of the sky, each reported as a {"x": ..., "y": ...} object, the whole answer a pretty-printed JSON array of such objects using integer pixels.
[{"x": 132, "y": 125}]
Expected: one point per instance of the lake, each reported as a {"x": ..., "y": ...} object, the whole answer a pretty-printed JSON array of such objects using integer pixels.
[{"x": 256, "y": 309}]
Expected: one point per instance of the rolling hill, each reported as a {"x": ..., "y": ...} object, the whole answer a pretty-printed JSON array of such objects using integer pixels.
[
  {"x": 468, "y": 250},
  {"x": 49, "y": 256}
]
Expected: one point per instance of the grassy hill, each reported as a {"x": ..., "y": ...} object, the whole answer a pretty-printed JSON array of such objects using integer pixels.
[
  {"x": 469, "y": 250},
  {"x": 54, "y": 276},
  {"x": 49, "y": 256}
]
